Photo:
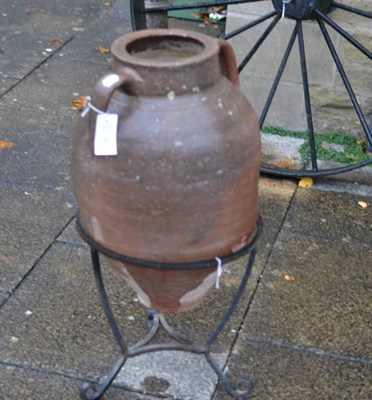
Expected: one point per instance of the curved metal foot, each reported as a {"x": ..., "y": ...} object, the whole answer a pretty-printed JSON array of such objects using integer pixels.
[
  {"x": 88, "y": 387},
  {"x": 96, "y": 392},
  {"x": 243, "y": 387}
]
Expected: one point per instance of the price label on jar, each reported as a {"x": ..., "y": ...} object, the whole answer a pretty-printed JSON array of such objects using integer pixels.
[{"x": 105, "y": 138}]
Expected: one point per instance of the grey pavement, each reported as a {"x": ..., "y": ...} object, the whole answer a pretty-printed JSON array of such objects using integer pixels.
[{"x": 303, "y": 329}]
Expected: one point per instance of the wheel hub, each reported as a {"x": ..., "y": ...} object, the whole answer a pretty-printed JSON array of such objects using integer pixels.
[{"x": 301, "y": 9}]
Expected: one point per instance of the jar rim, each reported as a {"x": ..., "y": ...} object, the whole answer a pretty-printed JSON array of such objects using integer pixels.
[{"x": 124, "y": 48}]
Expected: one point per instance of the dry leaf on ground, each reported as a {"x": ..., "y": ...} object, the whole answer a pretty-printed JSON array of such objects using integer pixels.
[
  {"x": 289, "y": 278},
  {"x": 102, "y": 50},
  {"x": 79, "y": 104},
  {"x": 305, "y": 182},
  {"x": 362, "y": 204},
  {"x": 6, "y": 145},
  {"x": 56, "y": 42}
]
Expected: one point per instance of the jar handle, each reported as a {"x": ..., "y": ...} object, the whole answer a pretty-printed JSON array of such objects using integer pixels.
[
  {"x": 125, "y": 78},
  {"x": 228, "y": 62}
]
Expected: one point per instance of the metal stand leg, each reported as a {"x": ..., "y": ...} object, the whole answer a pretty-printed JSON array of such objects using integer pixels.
[{"x": 156, "y": 321}]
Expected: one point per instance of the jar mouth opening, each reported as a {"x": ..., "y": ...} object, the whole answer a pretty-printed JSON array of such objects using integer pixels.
[
  {"x": 165, "y": 48},
  {"x": 162, "y": 48}
]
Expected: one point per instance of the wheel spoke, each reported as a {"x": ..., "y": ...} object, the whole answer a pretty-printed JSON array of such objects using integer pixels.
[
  {"x": 305, "y": 84},
  {"x": 347, "y": 84},
  {"x": 352, "y": 9},
  {"x": 278, "y": 77},
  {"x": 250, "y": 25},
  {"x": 258, "y": 43},
  {"x": 343, "y": 33}
]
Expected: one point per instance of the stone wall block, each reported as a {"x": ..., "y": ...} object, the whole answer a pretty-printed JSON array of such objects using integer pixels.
[
  {"x": 255, "y": 8},
  {"x": 341, "y": 16},
  {"x": 330, "y": 120},
  {"x": 360, "y": 79},
  {"x": 290, "y": 116}
]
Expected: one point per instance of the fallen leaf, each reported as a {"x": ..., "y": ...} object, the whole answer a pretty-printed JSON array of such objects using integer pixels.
[
  {"x": 6, "y": 145},
  {"x": 289, "y": 278},
  {"x": 305, "y": 182},
  {"x": 362, "y": 204},
  {"x": 79, "y": 104},
  {"x": 202, "y": 15},
  {"x": 102, "y": 50},
  {"x": 56, "y": 42}
]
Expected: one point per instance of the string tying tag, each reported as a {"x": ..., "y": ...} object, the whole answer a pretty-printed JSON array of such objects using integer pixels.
[
  {"x": 219, "y": 272},
  {"x": 89, "y": 106}
]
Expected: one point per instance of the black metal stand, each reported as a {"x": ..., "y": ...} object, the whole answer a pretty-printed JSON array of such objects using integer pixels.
[{"x": 157, "y": 321}]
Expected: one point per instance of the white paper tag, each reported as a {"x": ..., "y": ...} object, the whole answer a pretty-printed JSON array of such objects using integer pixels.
[{"x": 105, "y": 139}]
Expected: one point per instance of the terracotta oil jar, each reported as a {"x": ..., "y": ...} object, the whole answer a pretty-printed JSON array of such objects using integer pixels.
[{"x": 183, "y": 185}]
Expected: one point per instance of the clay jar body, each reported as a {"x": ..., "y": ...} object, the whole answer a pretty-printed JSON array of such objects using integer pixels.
[{"x": 183, "y": 186}]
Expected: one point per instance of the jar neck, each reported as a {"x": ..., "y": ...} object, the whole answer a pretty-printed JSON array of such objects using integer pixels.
[{"x": 169, "y": 60}]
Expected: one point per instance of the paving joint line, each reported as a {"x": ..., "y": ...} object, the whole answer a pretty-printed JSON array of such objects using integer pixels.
[
  {"x": 40, "y": 370},
  {"x": 309, "y": 350},
  {"x": 258, "y": 282},
  {"x": 36, "y": 67},
  {"x": 51, "y": 372},
  {"x": 27, "y": 274}
]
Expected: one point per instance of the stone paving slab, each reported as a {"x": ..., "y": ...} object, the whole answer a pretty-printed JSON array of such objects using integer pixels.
[
  {"x": 50, "y": 90},
  {"x": 42, "y": 134},
  {"x": 315, "y": 293},
  {"x": 39, "y": 160},
  {"x": 30, "y": 219},
  {"x": 172, "y": 374},
  {"x": 331, "y": 215},
  {"x": 26, "y": 32},
  {"x": 6, "y": 82},
  {"x": 62, "y": 328},
  {"x": 101, "y": 33},
  {"x": 55, "y": 320},
  {"x": 284, "y": 373},
  {"x": 18, "y": 383}
]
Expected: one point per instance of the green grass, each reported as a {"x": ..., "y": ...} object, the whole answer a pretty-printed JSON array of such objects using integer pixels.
[{"x": 354, "y": 148}]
